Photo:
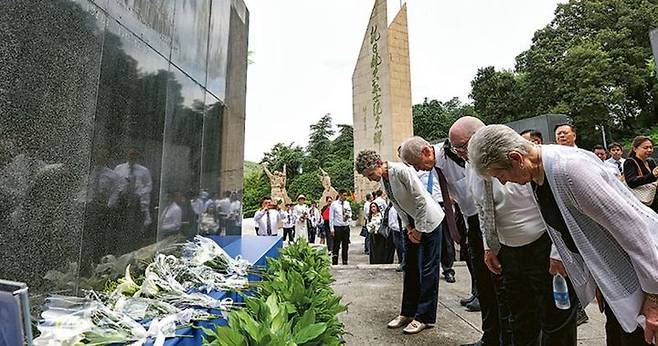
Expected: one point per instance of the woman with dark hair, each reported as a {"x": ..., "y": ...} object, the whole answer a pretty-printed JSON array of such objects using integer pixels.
[{"x": 640, "y": 169}]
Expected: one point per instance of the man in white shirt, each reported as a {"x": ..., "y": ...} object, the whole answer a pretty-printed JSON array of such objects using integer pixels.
[
  {"x": 289, "y": 220},
  {"x": 234, "y": 221},
  {"x": 340, "y": 214},
  {"x": 423, "y": 156},
  {"x": 223, "y": 209},
  {"x": 170, "y": 218},
  {"x": 616, "y": 161},
  {"x": 137, "y": 183},
  {"x": 268, "y": 217},
  {"x": 421, "y": 216},
  {"x": 518, "y": 247},
  {"x": 366, "y": 207}
]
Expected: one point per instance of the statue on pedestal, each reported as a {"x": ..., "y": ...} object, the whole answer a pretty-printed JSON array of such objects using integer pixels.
[
  {"x": 278, "y": 183},
  {"x": 328, "y": 189}
]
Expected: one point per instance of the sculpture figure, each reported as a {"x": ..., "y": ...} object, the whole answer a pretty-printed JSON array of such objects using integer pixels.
[
  {"x": 326, "y": 183},
  {"x": 278, "y": 182}
]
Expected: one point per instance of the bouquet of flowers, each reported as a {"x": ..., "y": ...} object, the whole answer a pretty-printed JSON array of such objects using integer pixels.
[{"x": 169, "y": 296}]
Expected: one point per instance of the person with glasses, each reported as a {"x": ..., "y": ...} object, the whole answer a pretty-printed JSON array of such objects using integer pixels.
[{"x": 423, "y": 156}]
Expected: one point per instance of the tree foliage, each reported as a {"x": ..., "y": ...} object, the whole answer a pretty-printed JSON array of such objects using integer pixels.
[
  {"x": 432, "y": 119},
  {"x": 319, "y": 141},
  {"x": 592, "y": 62},
  {"x": 497, "y": 95}
]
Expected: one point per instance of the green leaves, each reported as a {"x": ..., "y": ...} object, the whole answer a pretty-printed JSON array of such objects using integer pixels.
[
  {"x": 432, "y": 119},
  {"x": 309, "y": 333},
  {"x": 295, "y": 304}
]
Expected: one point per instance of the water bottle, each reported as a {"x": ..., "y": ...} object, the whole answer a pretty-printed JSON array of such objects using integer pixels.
[{"x": 561, "y": 292}]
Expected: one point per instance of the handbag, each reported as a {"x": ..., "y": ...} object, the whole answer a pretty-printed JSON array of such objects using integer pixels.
[
  {"x": 645, "y": 193},
  {"x": 364, "y": 231},
  {"x": 384, "y": 230}
]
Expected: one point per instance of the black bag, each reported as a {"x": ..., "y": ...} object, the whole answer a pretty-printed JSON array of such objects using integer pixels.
[
  {"x": 364, "y": 232},
  {"x": 384, "y": 230}
]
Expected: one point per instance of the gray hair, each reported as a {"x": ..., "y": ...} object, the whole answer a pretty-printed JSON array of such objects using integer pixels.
[
  {"x": 367, "y": 159},
  {"x": 411, "y": 148},
  {"x": 489, "y": 146}
]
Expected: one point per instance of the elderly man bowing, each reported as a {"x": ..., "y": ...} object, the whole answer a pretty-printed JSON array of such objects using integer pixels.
[
  {"x": 606, "y": 237},
  {"x": 421, "y": 217}
]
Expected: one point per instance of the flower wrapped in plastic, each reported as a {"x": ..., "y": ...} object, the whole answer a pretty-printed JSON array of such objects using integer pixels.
[
  {"x": 74, "y": 321},
  {"x": 205, "y": 251}
]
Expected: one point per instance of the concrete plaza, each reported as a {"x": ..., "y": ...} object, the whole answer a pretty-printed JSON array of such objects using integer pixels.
[{"x": 373, "y": 294}]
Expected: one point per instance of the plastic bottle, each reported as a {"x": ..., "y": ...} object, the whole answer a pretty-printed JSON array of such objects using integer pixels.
[{"x": 561, "y": 292}]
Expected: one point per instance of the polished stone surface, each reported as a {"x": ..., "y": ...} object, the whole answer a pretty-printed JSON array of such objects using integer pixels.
[
  {"x": 189, "y": 49},
  {"x": 50, "y": 53},
  {"x": 218, "y": 47},
  {"x": 109, "y": 108}
]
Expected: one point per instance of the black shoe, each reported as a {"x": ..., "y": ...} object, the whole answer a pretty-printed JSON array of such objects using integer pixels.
[
  {"x": 465, "y": 301},
  {"x": 450, "y": 277},
  {"x": 477, "y": 343},
  {"x": 473, "y": 306},
  {"x": 344, "y": 263}
]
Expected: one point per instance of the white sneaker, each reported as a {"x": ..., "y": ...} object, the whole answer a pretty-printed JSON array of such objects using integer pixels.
[
  {"x": 415, "y": 327},
  {"x": 399, "y": 322}
]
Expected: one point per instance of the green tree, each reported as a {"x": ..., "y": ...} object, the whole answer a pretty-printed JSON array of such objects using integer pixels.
[
  {"x": 293, "y": 156},
  {"x": 432, "y": 119},
  {"x": 343, "y": 146},
  {"x": 591, "y": 63},
  {"x": 319, "y": 141},
  {"x": 256, "y": 186},
  {"x": 496, "y": 95}
]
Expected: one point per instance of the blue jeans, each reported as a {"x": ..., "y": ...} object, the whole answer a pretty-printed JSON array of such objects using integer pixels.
[{"x": 420, "y": 293}]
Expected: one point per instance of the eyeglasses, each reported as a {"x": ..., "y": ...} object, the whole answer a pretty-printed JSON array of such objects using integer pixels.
[{"x": 461, "y": 148}]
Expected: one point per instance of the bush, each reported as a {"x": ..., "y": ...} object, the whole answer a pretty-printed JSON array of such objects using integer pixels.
[{"x": 294, "y": 305}]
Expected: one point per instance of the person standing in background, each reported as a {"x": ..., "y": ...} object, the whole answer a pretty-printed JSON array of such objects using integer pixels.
[{"x": 340, "y": 214}]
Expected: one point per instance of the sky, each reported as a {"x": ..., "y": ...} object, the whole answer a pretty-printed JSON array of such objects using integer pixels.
[{"x": 304, "y": 53}]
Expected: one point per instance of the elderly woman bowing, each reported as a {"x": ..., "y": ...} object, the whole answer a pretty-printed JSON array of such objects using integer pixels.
[
  {"x": 421, "y": 217},
  {"x": 605, "y": 236}
]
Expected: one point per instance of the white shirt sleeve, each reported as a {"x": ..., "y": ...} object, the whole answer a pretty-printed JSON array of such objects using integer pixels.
[
  {"x": 259, "y": 215},
  {"x": 172, "y": 219}
]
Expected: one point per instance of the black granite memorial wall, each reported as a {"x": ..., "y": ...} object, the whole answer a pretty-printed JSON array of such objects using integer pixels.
[{"x": 110, "y": 110}]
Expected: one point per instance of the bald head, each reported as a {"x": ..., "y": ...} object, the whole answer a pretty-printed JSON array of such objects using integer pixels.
[{"x": 460, "y": 133}]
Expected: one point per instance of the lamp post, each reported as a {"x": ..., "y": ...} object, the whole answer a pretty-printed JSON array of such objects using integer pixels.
[{"x": 602, "y": 128}]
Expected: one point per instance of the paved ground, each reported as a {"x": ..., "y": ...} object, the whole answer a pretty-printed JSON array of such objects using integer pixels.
[{"x": 373, "y": 294}]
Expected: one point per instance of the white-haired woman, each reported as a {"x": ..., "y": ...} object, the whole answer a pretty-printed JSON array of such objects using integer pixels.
[
  {"x": 605, "y": 236},
  {"x": 421, "y": 217}
]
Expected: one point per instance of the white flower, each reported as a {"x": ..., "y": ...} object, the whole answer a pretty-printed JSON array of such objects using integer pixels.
[
  {"x": 126, "y": 284},
  {"x": 149, "y": 286}
]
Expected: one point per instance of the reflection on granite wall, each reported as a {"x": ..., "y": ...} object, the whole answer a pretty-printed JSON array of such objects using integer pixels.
[{"x": 121, "y": 121}]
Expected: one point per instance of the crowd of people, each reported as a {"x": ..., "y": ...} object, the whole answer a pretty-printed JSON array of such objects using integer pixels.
[
  {"x": 331, "y": 223},
  {"x": 528, "y": 214}
]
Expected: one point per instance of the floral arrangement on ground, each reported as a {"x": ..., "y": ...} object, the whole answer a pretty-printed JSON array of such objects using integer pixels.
[{"x": 171, "y": 293}]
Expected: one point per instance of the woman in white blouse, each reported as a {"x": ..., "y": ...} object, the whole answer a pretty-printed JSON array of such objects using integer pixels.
[{"x": 608, "y": 239}]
